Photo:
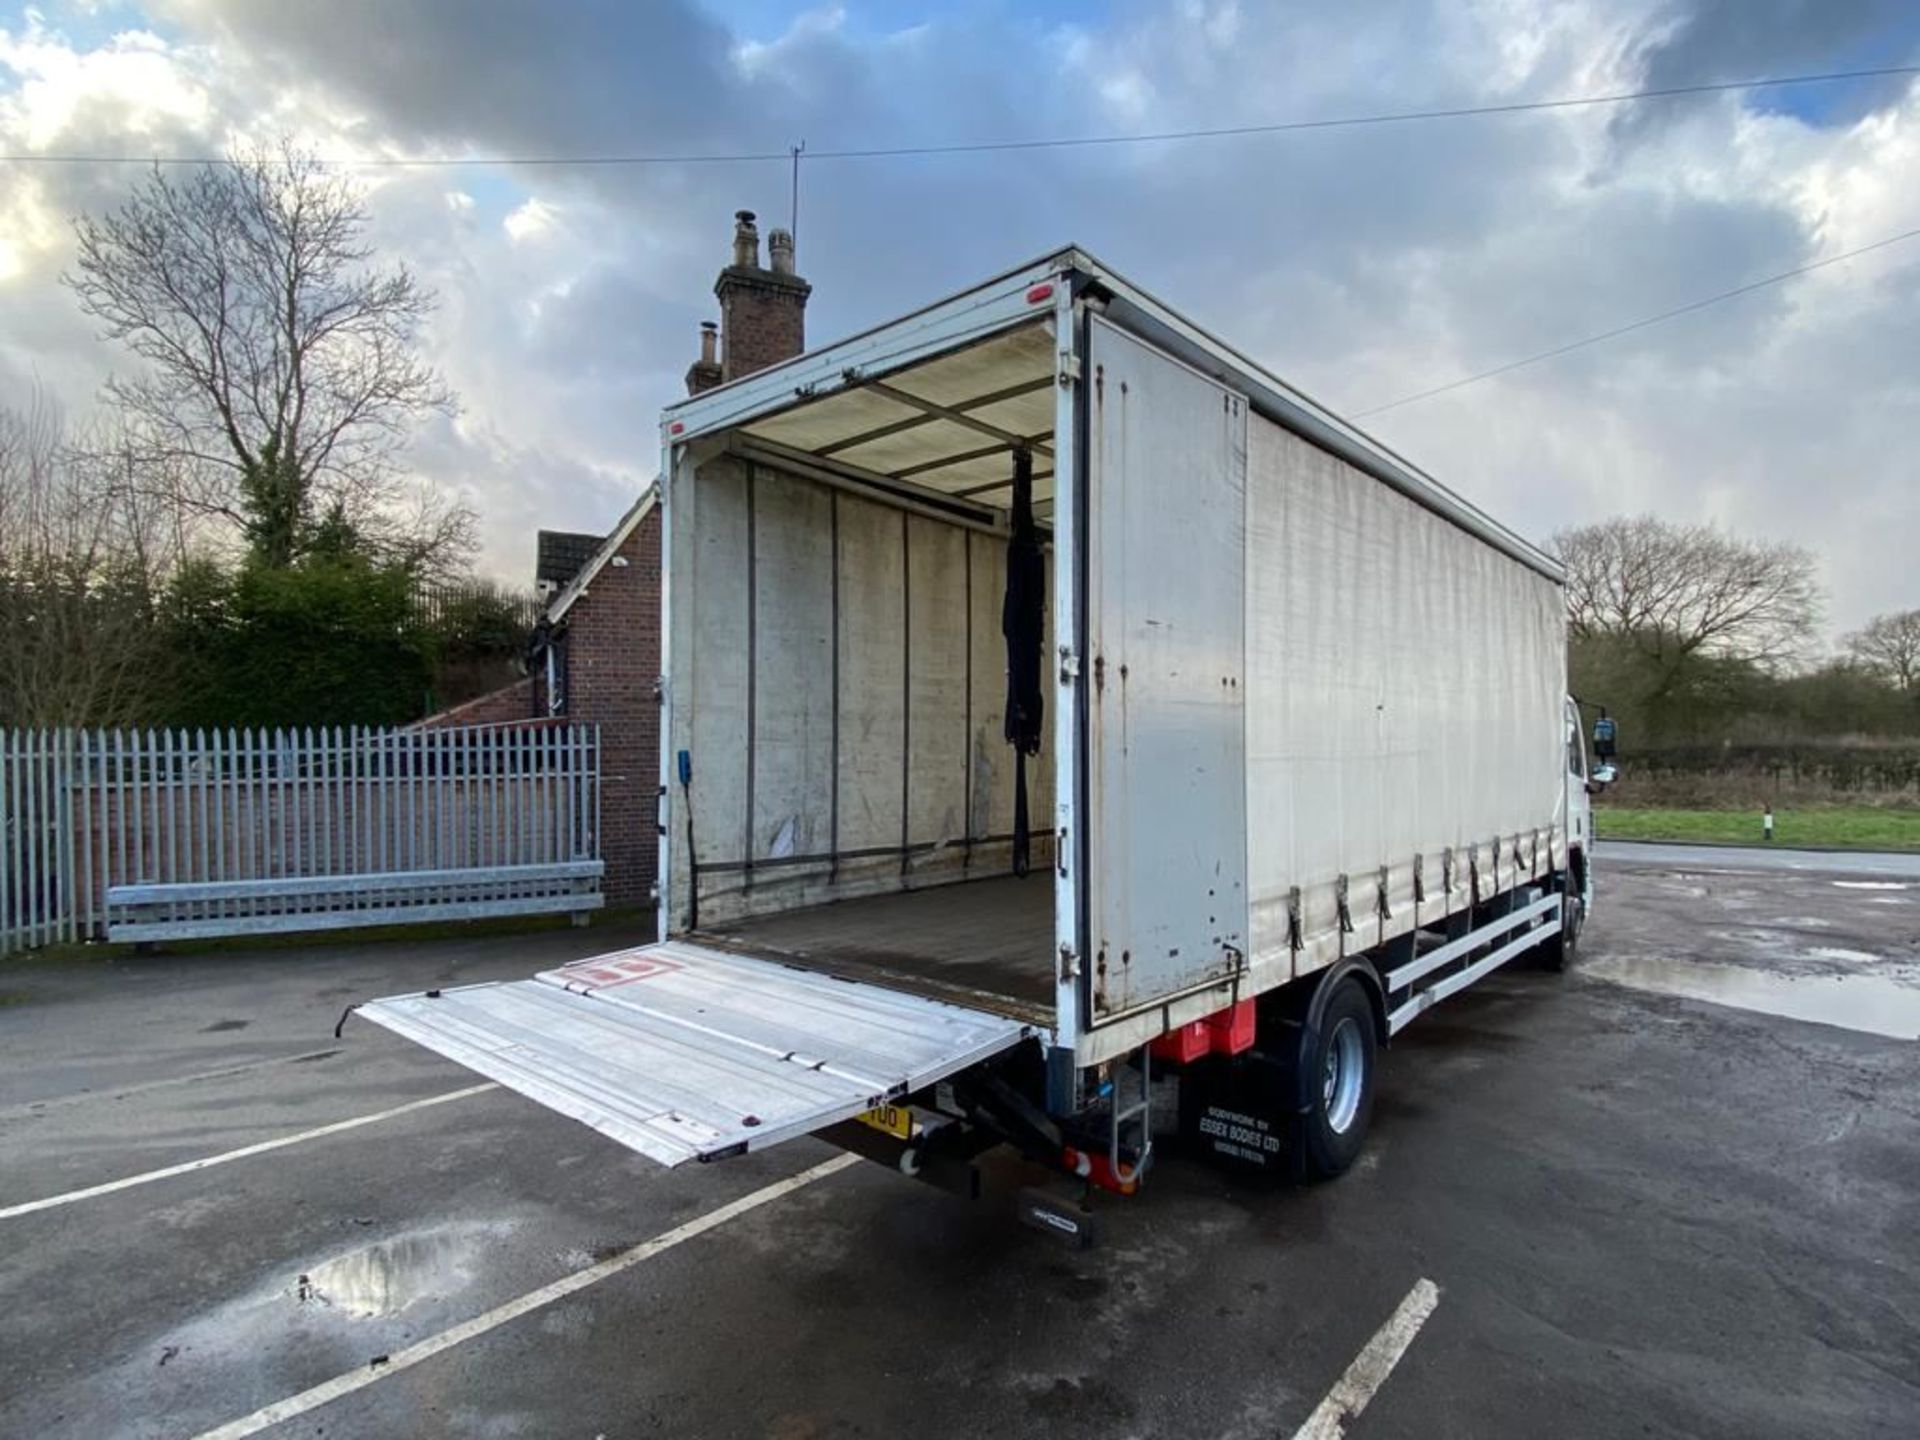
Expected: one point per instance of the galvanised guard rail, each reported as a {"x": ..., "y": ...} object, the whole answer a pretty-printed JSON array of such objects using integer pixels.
[{"x": 251, "y": 831}]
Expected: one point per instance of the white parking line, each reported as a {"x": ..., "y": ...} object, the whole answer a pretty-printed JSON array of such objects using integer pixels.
[
  {"x": 30, "y": 1206},
  {"x": 225, "y": 1072},
  {"x": 1371, "y": 1367},
  {"x": 533, "y": 1300}
]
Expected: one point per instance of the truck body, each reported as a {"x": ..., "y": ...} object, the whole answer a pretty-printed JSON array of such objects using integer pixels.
[{"x": 1307, "y": 764}]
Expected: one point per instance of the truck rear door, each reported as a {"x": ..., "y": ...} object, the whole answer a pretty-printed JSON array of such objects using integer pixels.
[
  {"x": 684, "y": 1051},
  {"x": 1166, "y": 761}
]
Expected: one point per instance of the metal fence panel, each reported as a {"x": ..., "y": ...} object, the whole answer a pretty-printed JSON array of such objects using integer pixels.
[
  {"x": 84, "y": 811},
  {"x": 435, "y": 605}
]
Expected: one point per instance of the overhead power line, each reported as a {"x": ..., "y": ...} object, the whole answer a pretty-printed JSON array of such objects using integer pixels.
[
  {"x": 1640, "y": 324},
  {"x": 977, "y": 147},
  {"x": 1393, "y": 117}
]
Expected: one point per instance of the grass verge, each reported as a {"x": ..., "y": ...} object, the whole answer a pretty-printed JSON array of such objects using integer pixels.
[{"x": 1829, "y": 829}]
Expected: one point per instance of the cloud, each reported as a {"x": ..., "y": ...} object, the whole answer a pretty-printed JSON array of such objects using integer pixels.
[
  {"x": 485, "y": 74},
  {"x": 1714, "y": 40},
  {"x": 1365, "y": 264},
  {"x": 530, "y": 220},
  {"x": 131, "y": 77}
]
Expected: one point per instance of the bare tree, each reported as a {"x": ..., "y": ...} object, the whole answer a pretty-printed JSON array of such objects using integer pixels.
[
  {"x": 1889, "y": 647},
  {"x": 84, "y": 551},
  {"x": 1676, "y": 592},
  {"x": 281, "y": 374}
]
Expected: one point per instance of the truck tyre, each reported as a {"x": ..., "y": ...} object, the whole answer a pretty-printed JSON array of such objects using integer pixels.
[
  {"x": 1559, "y": 951},
  {"x": 1336, "y": 1080}
]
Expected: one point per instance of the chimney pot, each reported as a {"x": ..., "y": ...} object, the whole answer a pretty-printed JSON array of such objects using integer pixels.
[
  {"x": 762, "y": 312},
  {"x": 746, "y": 241},
  {"x": 706, "y": 372},
  {"x": 780, "y": 249}
]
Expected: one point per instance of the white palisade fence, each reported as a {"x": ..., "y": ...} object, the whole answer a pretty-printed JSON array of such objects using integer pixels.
[{"x": 249, "y": 831}]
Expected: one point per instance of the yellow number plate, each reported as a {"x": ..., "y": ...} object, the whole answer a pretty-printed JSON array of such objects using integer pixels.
[{"x": 894, "y": 1120}]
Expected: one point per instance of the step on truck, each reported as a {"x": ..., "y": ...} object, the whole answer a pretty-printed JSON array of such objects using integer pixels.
[{"x": 1054, "y": 702}]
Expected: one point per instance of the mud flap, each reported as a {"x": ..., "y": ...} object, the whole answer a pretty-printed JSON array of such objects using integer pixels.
[{"x": 1241, "y": 1113}]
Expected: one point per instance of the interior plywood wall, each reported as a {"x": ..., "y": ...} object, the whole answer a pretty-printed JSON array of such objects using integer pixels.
[{"x": 839, "y": 677}]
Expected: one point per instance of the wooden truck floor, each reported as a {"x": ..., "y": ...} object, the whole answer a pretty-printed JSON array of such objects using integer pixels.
[{"x": 985, "y": 944}]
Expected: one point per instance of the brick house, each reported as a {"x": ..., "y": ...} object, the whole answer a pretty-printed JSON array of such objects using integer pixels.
[{"x": 595, "y": 654}]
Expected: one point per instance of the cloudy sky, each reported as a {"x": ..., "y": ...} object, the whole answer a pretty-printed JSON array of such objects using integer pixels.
[{"x": 1362, "y": 264}]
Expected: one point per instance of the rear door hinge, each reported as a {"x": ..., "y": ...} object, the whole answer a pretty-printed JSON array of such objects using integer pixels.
[{"x": 1069, "y": 964}]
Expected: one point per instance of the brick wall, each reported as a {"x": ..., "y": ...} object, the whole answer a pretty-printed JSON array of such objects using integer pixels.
[
  {"x": 763, "y": 318},
  {"x": 613, "y": 663},
  {"x": 496, "y": 707}
]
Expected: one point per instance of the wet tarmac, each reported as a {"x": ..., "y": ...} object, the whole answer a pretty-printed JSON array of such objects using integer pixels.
[
  {"x": 1654, "y": 1198},
  {"x": 1781, "y": 940},
  {"x": 1874, "y": 1004}
]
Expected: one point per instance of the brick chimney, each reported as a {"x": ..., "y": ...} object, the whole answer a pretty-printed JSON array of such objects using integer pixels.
[
  {"x": 705, "y": 373},
  {"x": 763, "y": 312}
]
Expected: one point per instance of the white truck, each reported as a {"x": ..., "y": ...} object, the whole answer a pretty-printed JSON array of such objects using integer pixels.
[{"x": 1291, "y": 760}]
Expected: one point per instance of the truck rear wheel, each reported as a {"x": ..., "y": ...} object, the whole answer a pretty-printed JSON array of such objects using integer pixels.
[{"x": 1337, "y": 1066}]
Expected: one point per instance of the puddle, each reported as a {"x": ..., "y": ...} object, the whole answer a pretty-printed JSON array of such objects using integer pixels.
[
  {"x": 354, "y": 1305},
  {"x": 1871, "y": 885},
  {"x": 1851, "y": 957},
  {"x": 1870, "y": 1003},
  {"x": 383, "y": 1279}
]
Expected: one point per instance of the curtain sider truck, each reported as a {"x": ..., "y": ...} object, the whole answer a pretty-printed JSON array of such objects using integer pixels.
[{"x": 1305, "y": 763}]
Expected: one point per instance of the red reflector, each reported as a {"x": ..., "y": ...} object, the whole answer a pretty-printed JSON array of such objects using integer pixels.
[
  {"x": 1040, "y": 292},
  {"x": 676, "y": 427}
]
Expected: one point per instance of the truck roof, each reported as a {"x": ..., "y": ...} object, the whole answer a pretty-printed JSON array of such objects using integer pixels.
[{"x": 898, "y": 401}]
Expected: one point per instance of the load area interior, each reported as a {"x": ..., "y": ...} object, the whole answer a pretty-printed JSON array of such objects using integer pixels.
[{"x": 843, "y": 794}]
